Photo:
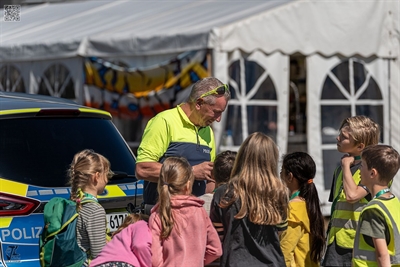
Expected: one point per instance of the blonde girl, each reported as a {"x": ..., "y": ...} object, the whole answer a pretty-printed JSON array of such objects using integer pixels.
[
  {"x": 252, "y": 206},
  {"x": 182, "y": 231},
  {"x": 89, "y": 173}
]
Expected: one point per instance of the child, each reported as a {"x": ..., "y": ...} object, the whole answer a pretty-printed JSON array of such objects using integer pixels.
[
  {"x": 348, "y": 195},
  {"x": 130, "y": 245},
  {"x": 221, "y": 173},
  {"x": 182, "y": 231},
  {"x": 252, "y": 206},
  {"x": 303, "y": 242},
  {"x": 89, "y": 173},
  {"x": 377, "y": 241}
]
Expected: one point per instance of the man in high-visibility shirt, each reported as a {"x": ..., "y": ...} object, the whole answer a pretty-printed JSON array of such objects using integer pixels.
[
  {"x": 183, "y": 131},
  {"x": 348, "y": 195},
  {"x": 377, "y": 241}
]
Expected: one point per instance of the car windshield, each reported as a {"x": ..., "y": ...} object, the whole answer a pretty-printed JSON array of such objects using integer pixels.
[{"x": 38, "y": 151}]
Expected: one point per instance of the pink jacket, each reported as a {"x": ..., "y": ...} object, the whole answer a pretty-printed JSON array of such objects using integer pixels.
[
  {"x": 193, "y": 240},
  {"x": 132, "y": 245}
]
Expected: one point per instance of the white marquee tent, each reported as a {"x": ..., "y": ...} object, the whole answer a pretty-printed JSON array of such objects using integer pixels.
[{"x": 351, "y": 51}]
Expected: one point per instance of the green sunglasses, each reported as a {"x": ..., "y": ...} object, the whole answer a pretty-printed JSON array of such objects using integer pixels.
[{"x": 220, "y": 90}]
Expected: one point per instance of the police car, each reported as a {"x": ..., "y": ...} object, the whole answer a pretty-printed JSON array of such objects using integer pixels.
[{"x": 39, "y": 136}]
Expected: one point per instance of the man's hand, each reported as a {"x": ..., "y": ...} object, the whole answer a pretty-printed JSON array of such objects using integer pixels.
[{"x": 203, "y": 171}]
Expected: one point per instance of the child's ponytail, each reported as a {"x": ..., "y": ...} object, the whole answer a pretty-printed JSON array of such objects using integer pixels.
[
  {"x": 175, "y": 174},
  {"x": 167, "y": 221},
  {"x": 309, "y": 192}
]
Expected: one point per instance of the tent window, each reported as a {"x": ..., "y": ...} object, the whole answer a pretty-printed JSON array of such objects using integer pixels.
[
  {"x": 362, "y": 86},
  {"x": 255, "y": 108},
  {"x": 267, "y": 90},
  {"x": 372, "y": 91},
  {"x": 57, "y": 81},
  {"x": 253, "y": 72},
  {"x": 262, "y": 119},
  {"x": 342, "y": 72},
  {"x": 11, "y": 79},
  {"x": 234, "y": 74},
  {"x": 331, "y": 91}
]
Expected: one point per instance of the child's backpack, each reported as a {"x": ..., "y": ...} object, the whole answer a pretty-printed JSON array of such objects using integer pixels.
[{"x": 57, "y": 242}]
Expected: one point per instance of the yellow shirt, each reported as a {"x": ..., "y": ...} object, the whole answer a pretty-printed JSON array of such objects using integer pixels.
[{"x": 295, "y": 241}]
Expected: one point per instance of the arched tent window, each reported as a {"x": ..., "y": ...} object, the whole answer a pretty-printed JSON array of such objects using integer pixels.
[
  {"x": 57, "y": 81},
  {"x": 11, "y": 79},
  {"x": 259, "y": 114},
  {"x": 258, "y": 98}
]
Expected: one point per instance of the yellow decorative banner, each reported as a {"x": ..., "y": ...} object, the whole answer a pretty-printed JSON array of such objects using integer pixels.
[{"x": 134, "y": 93}]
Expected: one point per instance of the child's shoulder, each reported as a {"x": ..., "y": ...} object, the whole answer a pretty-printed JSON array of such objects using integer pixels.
[
  {"x": 380, "y": 206},
  {"x": 92, "y": 208}
]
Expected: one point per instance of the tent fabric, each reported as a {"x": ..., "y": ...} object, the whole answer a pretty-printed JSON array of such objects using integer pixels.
[
  {"x": 365, "y": 28},
  {"x": 119, "y": 28},
  {"x": 61, "y": 30}
]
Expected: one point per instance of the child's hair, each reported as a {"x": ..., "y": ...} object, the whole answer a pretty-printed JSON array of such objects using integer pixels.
[
  {"x": 363, "y": 130},
  {"x": 302, "y": 166},
  {"x": 85, "y": 164},
  {"x": 385, "y": 159},
  {"x": 130, "y": 219},
  {"x": 223, "y": 166},
  {"x": 174, "y": 176},
  {"x": 256, "y": 184}
]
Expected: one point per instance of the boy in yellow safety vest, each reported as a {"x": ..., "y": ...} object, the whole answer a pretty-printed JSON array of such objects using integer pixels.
[
  {"x": 377, "y": 241},
  {"x": 348, "y": 195}
]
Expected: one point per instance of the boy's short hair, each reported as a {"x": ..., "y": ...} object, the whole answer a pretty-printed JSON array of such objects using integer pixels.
[
  {"x": 223, "y": 164},
  {"x": 362, "y": 129},
  {"x": 385, "y": 159}
]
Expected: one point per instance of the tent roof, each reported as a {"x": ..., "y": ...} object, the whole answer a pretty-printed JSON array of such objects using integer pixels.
[{"x": 129, "y": 28}]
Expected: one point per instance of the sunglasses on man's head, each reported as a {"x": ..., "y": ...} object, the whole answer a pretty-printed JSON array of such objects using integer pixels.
[{"x": 220, "y": 90}]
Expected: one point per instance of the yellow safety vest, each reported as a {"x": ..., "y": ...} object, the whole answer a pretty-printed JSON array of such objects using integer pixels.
[
  {"x": 364, "y": 254},
  {"x": 344, "y": 215}
]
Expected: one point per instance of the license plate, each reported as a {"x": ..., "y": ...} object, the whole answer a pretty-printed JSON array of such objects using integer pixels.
[{"x": 114, "y": 220}]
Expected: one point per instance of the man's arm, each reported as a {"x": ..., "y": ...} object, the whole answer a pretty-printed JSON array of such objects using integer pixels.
[
  {"x": 155, "y": 142},
  {"x": 353, "y": 192},
  {"x": 148, "y": 171},
  {"x": 382, "y": 253}
]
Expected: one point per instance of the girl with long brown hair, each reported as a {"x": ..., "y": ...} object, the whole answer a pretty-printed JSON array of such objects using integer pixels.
[{"x": 252, "y": 206}]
